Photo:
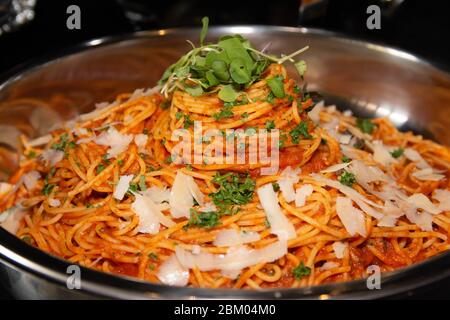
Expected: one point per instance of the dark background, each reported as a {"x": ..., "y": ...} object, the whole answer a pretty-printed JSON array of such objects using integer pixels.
[{"x": 420, "y": 27}]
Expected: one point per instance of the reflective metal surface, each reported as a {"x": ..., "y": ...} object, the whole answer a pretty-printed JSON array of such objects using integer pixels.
[{"x": 369, "y": 79}]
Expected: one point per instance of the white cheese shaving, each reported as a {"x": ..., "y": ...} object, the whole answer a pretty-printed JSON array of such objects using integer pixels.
[
  {"x": 364, "y": 203},
  {"x": 288, "y": 178},
  {"x": 231, "y": 237},
  {"x": 339, "y": 249},
  {"x": 208, "y": 207},
  {"x": 351, "y": 217},
  {"x": 184, "y": 191},
  {"x": 427, "y": 174},
  {"x": 329, "y": 265},
  {"x": 10, "y": 219},
  {"x": 52, "y": 156},
  {"x": 336, "y": 167},
  {"x": 116, "y": 141},
  {"x": 172, "y": 273},
  {"x": 279, "y": 224},
  {"x": 302, "y": 193},
  {"x": 158, "y": 194},
  {"x": 5, "y": 188},
  {"x": 237, "y": 258},
  {"x": 150, "y": 217},
  {"x": 54, "y": 202},
  {"x": 415, "y": 156},
  {"x": 30, "y": 179},
  {"x": 443, "y": 196},
  {"x": 122, "y": 186},
  {"x": 421, "y": 201},
  {"x": 314, "y": 114},
  {"x": 141, "y": 141},
  {"x": 381, "y": 154},
  {"x": 39, "y": 141}
]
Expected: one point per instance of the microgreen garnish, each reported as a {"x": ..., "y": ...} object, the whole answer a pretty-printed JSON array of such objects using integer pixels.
[{"x": 228, "y": 66}]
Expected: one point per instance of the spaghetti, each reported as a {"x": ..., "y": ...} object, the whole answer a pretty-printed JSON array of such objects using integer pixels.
[{"x": 104, "y": 192}]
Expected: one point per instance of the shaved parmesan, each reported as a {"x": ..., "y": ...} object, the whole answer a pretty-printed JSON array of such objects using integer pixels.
[
  {"x": 279, "y": 224},
  {"x": 381, "y": 154},
  {"x": 351, "y": 217},
  {"x": 5, "y": 188},
  {"x": 329, "y": 265},
  {"x": 172, "y": 273},
  {"x": 336, "y": 167},
  {"x": 345, "y": 138},
  {"x": 288, "y": 178},
  {"x": 387, "y": 221},
  {"x": 231, "y": 237},
  {"x": 427, "y": 174},
  {"x": 237, "y": 258},
  {"x": 158, "y": 194},
  {"x": 208, "y": 207},
  {"x": 364, "y": 203},
  {"x": 423, "y": 220},
  {"x": 302, "y": 193},
  {"x": 52, "y": 156},
  {"x": 443, "y": 196},
  {"x": 184, "y": 191},
  {"x": 150, "y": 217},
  {"x": 141, "y": 141},
  {"x": 349, "y": 152},
  {"x": 339, "y": 249},
  {"x": 314, "y": 114},
  {"x": 54, "y": 202},
  {"x": 30, "y": 179},
  {"x": 116, "y": 141},
  {"x": 421, "y": 201},
  {"x": 10, "y": 219},
  {"x": 39, "y": 141},
  {"x": 122, "y": 186},
  {"x": 415, "y": 156}
]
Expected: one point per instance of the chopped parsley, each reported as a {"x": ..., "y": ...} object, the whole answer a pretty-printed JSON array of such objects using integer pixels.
[
  {"x": 346, "y": 159},
  {"x": 100, "y": 168},
  {"x": 31, "y": 155},
  {"x": 301, "y": 271},
  {"x": 347, "y": 179},
  {"x": 275, "y": 186},
  {"x": 397, "y": 153},
  {"x": 224, "y": 113},
  {"x": 234, "y": 190},
  {"x": 153, "y": 256},
  {"x": 209, "y": 219},
  {"x": 365, "y": 125},
  {"x": 300, "y": 129},
  {"x": 270, "y": 125}
]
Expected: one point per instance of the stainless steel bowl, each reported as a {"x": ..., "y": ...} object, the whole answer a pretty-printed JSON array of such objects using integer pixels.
[{"x": 370, "y": 79}]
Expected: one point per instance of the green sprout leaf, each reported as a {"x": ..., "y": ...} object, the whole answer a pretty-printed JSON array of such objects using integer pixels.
[
  {"x": 276, "y": 86},
  {"x": 205, "y": 22},
  {"x": 301, "y": 67},
  {"x": 228, "y": 94}
]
